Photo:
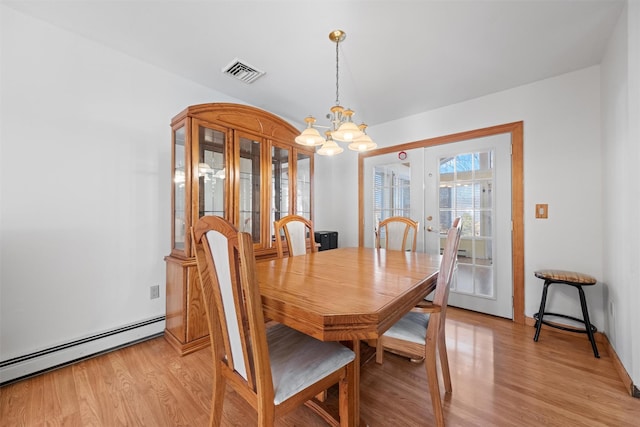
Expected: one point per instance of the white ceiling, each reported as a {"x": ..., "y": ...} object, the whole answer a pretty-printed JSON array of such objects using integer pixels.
[{"x": 399, "y": 57}]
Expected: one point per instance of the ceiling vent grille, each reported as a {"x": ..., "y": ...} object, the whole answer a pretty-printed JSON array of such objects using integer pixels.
[{"x": 242, "y": 71}]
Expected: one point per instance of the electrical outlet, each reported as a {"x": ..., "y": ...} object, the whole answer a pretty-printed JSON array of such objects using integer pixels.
[{"x": 155, "y": 291}]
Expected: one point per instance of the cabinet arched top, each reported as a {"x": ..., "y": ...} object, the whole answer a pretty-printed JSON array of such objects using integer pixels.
[{"x": 243, "y": 117}]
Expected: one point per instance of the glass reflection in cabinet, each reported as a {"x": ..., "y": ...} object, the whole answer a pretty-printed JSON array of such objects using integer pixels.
[
  {"x": 211, "y": 172},
  {"x": 250, "y": 190},
  {"x": 279, "y": 184},
  {"x": 303, "y": 185},
  {"x": 179, "y": 194}
]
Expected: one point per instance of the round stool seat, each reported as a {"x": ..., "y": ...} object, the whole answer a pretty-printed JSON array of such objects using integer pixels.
[{"x": 563, "y": 276}]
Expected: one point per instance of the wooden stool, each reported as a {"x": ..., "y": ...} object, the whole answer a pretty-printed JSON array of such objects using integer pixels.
[{"x": 577, "y": 280}]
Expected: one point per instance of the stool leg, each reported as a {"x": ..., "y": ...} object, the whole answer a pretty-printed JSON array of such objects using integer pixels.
[
  {"x": 543, "y": 303},
  {"x": 587, "y": 322}
]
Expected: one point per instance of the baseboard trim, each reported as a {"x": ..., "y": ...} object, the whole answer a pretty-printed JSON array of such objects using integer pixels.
[
  {"x": 35, "y": 363},
  {"x": 601, "y": 339},
  {"x": 622, "y": 372}
]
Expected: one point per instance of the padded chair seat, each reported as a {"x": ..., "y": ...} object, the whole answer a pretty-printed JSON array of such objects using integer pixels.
[
  {"x": 563, "y": 276},
  {"x": 312, "y": 360},
  {"x": 412, "y": 327}
]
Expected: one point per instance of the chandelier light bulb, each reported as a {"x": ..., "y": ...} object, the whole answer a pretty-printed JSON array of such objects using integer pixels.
[
  {"x": 348, "y": 131},
  {"x": 310, "y": 136},
  {"x": 364, "y": 142},
  {"x": 330, "y": 148}
]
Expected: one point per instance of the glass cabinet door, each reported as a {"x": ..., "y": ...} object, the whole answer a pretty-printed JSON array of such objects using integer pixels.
[
  {"x": 250, "y": 191},
  {"x": 279, "y": 184},
  {"x": 179, "y": 196},
  {"x": 303, "y": 185},
  {"x": 212, "y": 173}
]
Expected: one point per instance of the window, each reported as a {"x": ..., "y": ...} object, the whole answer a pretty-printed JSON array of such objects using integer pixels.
[{"x": 391, "y": 191}]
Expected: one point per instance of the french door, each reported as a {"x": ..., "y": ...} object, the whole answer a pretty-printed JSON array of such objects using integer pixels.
[{"x": 470, "y": 179}]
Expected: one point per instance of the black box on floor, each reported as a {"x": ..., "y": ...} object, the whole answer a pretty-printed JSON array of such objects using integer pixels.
[{"x": 327, "y": 239}]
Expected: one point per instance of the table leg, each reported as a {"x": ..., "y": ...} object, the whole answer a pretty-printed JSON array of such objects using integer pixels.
[{"x": 356, "y": 383}]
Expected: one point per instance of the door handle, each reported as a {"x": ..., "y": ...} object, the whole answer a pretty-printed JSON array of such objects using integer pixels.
[{"x": 429, "y": 228}]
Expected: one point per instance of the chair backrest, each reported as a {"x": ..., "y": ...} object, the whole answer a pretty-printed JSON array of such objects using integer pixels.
[
  {"x": 233, "y": 304},
  {"x": 447, "y": 265},
  {"x": 456, "y": 222},
  {"x": 399, "y": 233},
  {"x": 296, "y": 228}
]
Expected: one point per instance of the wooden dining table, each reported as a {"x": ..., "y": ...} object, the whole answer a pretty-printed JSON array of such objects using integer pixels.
[{"x": 346, "y": 294}]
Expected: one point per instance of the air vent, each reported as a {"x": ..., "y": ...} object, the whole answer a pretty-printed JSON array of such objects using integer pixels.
[{"x": 242, "y": 71}]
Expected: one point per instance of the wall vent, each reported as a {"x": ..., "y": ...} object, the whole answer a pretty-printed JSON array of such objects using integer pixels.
[{"x": 242, "y": 71}]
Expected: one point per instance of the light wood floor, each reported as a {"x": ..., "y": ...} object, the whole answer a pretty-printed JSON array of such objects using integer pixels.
[{"x": 500, "y": 378}]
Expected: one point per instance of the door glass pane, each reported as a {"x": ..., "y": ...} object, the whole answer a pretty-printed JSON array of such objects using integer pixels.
[
  {"x": 464, "y": 195},
  {"x": 211, "y": 172},
  {"x": 279, "y": 184},
  {"x": 303, "y": 185},
  {"x": 179, "y": 195},
  {"x": 466, "y": 184},
  {"x": 483, "y": 194},
  {"x": 446, "y": 191},
  {"x": 483, "y": 224},
  {"x": 483, "y": 281},
  {"x": 250, "y": 190},
  {"x": 391, "y": 193}
]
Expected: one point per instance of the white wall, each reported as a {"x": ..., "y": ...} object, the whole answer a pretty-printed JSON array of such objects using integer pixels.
[
  {"x": 562, "y": 167},
  {"x": 85, "y": 181},
  {"x": 621, "y": 156}
]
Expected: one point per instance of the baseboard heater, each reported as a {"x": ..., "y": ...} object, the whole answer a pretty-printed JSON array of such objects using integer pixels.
[{"x": 35, "y": 363}]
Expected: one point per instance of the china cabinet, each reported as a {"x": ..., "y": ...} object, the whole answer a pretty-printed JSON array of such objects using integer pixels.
[{"x": 237, "y": 162}]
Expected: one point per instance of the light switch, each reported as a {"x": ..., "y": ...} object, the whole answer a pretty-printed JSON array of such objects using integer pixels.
[{"x": 542, "y": 210}]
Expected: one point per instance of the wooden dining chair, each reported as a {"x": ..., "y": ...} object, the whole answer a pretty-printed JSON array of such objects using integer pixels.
[
  {"x": 400, "y": 233},
  {"x": 275, "y": 369},
  {"x": 298, "y": 233},
  {"x": 421, "y": 332}
]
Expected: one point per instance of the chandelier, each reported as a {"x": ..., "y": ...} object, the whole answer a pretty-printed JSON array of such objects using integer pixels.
[{"x": 342, "y": 128}]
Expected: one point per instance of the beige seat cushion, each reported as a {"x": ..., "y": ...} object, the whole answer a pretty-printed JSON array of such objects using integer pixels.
[
  {"x": 298, "y": 360},
  {"x": 412, "y": 327},
  {"x": 566, "y": 276}
]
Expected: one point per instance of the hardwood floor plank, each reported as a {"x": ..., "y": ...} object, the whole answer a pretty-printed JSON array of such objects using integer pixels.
[
  {"x": 13, "y": 403},
  {"x": 132, "y": 384},
  {"x": 500, "y": 377},
  {"x": 159, "y": 400},
  {"x": 61, "y": 397},
  {"x": 84, "y": 374}
]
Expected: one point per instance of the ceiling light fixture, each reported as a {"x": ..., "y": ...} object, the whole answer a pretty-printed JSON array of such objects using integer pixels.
[{"x": 342, "y": 127}]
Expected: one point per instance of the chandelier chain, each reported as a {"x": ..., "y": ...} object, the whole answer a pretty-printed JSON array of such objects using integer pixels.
[{"x": 337, "y": 76}]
